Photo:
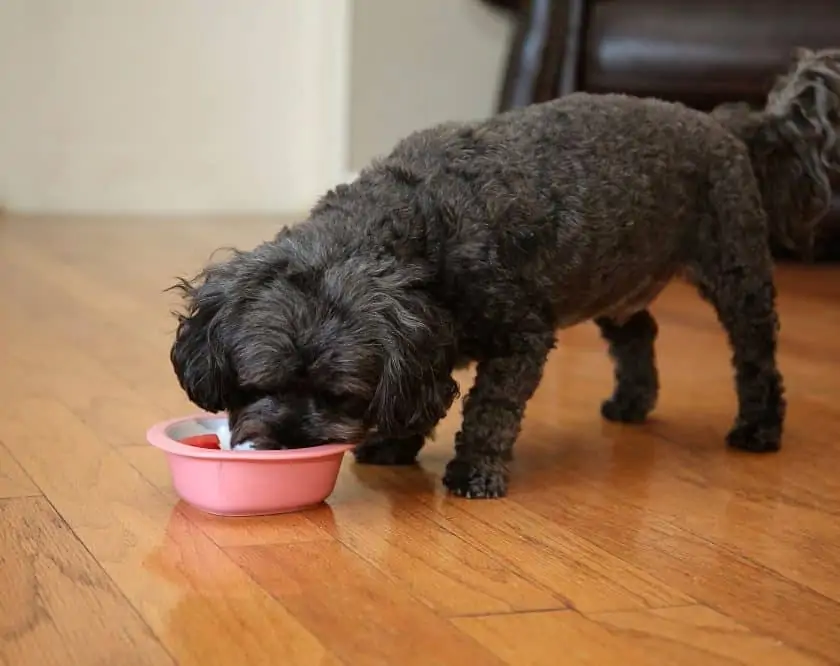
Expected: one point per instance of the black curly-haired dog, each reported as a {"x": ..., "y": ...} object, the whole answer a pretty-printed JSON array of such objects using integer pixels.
[{"x": 478, "y": 241}]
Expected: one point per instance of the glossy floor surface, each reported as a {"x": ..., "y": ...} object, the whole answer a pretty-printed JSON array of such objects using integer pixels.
[{"x": 617, "y": 545}]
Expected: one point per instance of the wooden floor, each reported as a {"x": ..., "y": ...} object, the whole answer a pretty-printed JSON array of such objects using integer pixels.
[{"x": 617, "y": 545}]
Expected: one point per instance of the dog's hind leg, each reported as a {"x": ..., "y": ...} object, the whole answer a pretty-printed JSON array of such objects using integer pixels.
[
  {"x": 380, "y": 450},
  {"x": 733, "y": 269},
  {"x": 493, "y": 411},
  {"x": 631, "y": 346}
]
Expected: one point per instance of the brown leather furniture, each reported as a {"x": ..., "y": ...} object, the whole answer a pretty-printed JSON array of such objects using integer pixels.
[{"x": 699, "y": 52}]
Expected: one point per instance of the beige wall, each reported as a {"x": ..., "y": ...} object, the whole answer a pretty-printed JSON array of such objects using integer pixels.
[
  {"x": 418, "y": 62},
  {"x": 169, "y": 105},
  {"x": 226, "y": 105}
]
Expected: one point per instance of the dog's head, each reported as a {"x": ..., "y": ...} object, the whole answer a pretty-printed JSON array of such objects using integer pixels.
[{"x": 301, "y": 348}]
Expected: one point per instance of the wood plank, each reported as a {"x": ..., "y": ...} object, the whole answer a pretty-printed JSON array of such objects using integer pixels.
[
  {"x": 58, "y": 606},
  {"x": 582, "y": 574},
  {"x": 356, "y": 611},
  {"x": 399, "y": 537},
  {"x": 687, "y": 636},
  {"x": 749, "y": 593},
  {"x": 440, "y": 567},
  {"x": 778, "y": 511}
]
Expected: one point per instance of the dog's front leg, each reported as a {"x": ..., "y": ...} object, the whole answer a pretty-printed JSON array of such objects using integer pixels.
[{"x": 493, "y": 411}]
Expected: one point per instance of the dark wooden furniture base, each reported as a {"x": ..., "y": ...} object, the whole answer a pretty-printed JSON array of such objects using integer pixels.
[{"x": 699, "y": 52}]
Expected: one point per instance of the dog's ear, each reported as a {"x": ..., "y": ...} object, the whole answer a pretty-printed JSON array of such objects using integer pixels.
[
  {"x": 416, "y": 388},
  {"x": 198, "y": 354},
  {"x": 415, "y": 392},
  {"x": 399, "y": 323}
]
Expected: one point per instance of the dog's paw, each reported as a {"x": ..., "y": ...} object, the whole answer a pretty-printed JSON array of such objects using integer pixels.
[
  {"x": 755, "y": 437},
  {"x": 384, "y": 455},
  {"x": 622, "y": 409},
  {"x": 475, "y": 480},
  {"x": 384, "y": 451}
]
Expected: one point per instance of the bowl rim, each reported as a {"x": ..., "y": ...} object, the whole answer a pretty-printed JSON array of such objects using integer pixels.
[{"x": 157, "y": 437}]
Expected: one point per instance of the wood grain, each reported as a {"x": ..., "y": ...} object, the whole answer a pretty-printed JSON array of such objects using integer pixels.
[
  {"x": 439, "y": 566},
  {"x": 618, "y": 545},
  {"x": 354, "y": 609},
  {"x": 58, "y": 607},
  {"x": 689, "y": 636},
  {"x": 523, "y": 544},
  {"x": 179, "y": 579},
  {"x": 13, "y": 480}
]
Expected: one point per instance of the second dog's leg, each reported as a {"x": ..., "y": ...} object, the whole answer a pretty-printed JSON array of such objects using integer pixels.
[
  {"x": 636, "y": 377},
  {"x": 493, "y": 412},
  {"x": 379, "y": 450}
]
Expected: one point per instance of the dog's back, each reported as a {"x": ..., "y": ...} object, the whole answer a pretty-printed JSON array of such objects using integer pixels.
[
  {"x": 597, "y": 194},
  {"x": 610, "y": 158},
  {"x": 598, "y": 200}
]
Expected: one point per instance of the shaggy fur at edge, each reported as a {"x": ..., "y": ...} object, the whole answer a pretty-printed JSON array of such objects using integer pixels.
[{"x": 477, "y": 241}]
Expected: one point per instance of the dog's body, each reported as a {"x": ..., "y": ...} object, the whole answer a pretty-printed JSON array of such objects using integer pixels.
[{"x": 477, "y": 242}]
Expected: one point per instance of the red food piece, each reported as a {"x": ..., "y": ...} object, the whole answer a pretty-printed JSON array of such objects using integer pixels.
[{"x": 202, "y": 441}]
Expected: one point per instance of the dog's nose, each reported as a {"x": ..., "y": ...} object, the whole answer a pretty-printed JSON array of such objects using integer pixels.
[{"x": 256, "y": 436}]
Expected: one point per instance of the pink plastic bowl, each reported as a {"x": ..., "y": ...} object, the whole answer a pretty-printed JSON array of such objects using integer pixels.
[{"x": 244, "y": 483}]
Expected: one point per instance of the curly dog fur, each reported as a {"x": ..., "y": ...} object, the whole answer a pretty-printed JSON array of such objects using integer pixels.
[{"x": 476, "y": 242}]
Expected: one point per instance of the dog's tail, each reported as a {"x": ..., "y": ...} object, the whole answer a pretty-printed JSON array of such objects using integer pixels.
[{"x": 794, "y": 143}]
